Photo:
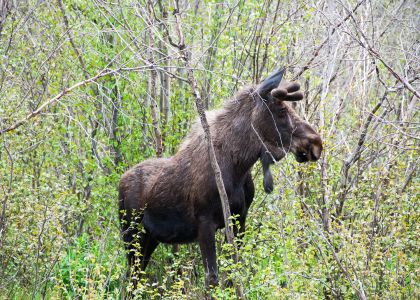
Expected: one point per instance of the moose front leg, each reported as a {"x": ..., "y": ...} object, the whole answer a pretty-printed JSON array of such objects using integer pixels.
[{"x": 207, "y": 243}]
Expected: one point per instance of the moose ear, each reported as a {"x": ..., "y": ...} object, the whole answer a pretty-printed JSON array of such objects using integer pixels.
[{"x": 271, "y": 82}]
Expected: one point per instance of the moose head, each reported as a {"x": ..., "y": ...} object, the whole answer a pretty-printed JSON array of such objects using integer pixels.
[{"x": 280, "y": 129}]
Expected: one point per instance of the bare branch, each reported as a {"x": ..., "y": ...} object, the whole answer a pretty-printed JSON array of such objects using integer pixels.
[{"x": 64, "y": 92}]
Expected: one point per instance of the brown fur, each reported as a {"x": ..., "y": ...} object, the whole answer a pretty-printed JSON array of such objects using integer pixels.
[{"x": 176, "y": 198}]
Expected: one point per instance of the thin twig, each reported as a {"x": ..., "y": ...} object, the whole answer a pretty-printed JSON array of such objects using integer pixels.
[{"x": 65, "y": 91}]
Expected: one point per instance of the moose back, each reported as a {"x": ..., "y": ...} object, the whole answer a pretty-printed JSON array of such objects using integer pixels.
[{"x": 176, "y": 199}]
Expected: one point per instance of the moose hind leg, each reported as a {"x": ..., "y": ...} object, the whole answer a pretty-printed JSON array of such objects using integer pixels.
[
  {"x": 148, "y": 245},
  {"x": 129, "y": 233},
  {"x": 133, "y": 236},
  {"x": 133, "y": 240},
  {"x": 128, "y": 238},
  {"x": 139, "y": 251}
]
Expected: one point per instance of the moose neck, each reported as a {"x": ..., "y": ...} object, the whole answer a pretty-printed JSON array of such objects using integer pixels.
[{"x": 233, "y": 132}]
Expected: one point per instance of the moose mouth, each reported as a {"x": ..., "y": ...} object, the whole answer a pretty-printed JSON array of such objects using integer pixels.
[{"x": 303, "y": 156}]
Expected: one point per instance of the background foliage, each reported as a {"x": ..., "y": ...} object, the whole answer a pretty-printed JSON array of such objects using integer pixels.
[{"x": 343, "y": 228}]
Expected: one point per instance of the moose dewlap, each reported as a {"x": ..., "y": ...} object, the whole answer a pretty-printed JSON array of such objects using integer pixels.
[{"x": 176, "y": 199}]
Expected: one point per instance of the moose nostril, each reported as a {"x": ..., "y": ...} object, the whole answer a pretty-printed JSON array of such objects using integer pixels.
[
  {"x": 315, "y": 153},
  {"x": 312, "y": 155}
]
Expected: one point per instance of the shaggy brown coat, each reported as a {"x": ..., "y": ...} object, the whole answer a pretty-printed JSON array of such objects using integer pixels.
[{"x": 176, "y": 198}]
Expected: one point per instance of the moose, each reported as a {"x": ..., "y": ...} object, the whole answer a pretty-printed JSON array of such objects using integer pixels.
[{"x": 175, "y": 199}]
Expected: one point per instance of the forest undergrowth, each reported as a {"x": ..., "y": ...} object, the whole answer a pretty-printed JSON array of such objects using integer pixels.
[{"x": 90, "y": 88}]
